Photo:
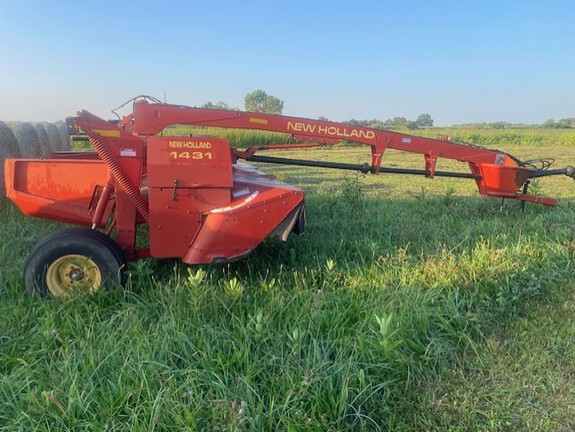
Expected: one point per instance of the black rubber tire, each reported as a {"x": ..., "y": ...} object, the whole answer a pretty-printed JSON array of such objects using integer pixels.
[{"x": 100, "y": 250}]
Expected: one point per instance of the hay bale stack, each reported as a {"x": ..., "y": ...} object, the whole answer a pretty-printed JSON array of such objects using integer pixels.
[
  {"x": 54, "y": 138},
  {"x": 27, "y": 138},
  {"x": 43, "y": 138},
  {"x": 65, "y": 137},
  {"x": 8, "y": 149}
]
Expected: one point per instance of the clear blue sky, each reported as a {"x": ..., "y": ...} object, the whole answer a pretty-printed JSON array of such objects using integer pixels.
[{"x": 459, "y": 61}]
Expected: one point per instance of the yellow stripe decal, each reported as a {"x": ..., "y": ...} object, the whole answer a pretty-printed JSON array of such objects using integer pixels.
[
  {"x": 258, "y": 120},
  {"x": 108, "y": 132}
]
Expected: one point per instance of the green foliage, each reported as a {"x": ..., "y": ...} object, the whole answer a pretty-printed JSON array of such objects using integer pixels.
[
  {"x": 411, "y": 125},
  {"x": 260, "y": 101},
  {"x": 521, "y": 379},
  {"x": 566, "y": 123},
  {"x": 390, "y": 313},
  {"x": 424, "y": 120},
  {"x": 352, "y": 190},
  {"x": 236, "y": 137},
  {"x": 218, "y": 105},
  {"x": 527, "y": 138},
  {"x": 549, "y": 124}
]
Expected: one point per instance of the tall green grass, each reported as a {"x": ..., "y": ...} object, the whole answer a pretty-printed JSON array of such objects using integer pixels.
[
  {"x": 528, "y": 137},
  {"x": 395, "y": 280},
  {"x": 237, "y": 137}
]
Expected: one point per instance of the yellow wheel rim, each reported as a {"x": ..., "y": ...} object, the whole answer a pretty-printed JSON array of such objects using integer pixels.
[{"x": 73, "y": 273}]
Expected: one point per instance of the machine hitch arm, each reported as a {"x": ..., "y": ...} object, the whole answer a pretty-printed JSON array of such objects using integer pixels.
[{"x": 495, "y": 172}]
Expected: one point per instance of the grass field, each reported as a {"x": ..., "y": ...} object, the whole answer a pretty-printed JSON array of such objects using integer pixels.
[{"x": 409, "y": 304}]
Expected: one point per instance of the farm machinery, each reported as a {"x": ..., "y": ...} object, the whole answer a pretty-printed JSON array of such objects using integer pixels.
[{"x": 200, "y": 203}]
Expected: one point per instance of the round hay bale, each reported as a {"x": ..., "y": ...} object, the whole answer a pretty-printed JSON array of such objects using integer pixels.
[
  {"x": 8, "y": 142},
  {"x": 54, "y": 138},
  {"x": 65, "y": 137},
  {"x": 8, "y": 149},
  {"x": 27, "y": 138},
  {"x": 43, "y": 138}
]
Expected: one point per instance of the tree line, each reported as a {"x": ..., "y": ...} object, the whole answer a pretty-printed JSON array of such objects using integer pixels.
[
  {"x": 565, "y": 123},
  {"x": 260, "y": 101},
  {"x": 423, "y": 120}
]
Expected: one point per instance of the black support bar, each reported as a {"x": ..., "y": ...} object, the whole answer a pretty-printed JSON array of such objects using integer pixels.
[
  {"x": 569, "y": 171},
  {"x": 364, "y": 168}
]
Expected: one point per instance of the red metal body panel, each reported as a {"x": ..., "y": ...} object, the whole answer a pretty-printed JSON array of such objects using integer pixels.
[
  {"x": 55, "y": 189},
  {"x": 204, "y": 212},
  {"x": 261, "y": 205},
  {"x": 186, "y": 177},
  {"x": 232, "y": 234},
  {"x": 192, "y": 162},
  {"x": 502, "y": 181}
]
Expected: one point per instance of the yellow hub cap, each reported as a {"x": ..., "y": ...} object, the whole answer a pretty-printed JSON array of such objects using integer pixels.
[{"x": 71, "y": 273}]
